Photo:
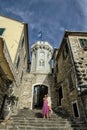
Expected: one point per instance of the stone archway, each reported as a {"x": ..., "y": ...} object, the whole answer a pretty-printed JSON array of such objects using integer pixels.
[{"x": 38, "y": 94}]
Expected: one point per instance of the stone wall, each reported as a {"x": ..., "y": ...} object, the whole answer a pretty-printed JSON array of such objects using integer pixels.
[
  {"x": 80, "y": 58},
  {"x": 27, "y": 87},
  {"x": 66, "y": 67},
  {"x": 17, "y": 70},
  {"x": 80, "y": 62}
]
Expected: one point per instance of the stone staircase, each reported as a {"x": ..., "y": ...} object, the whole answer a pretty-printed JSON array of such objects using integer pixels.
[{"x": 32, "y": 120}]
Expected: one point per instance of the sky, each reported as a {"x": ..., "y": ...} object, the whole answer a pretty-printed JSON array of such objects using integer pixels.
[{"x": 50, "y": 17}]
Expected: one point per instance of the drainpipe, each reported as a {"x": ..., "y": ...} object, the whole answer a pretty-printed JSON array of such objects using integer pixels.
[{"x": 76, "y": 77}]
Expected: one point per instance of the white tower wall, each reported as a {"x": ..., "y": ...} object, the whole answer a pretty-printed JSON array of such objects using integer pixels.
[{"x": 41, "y": 57}]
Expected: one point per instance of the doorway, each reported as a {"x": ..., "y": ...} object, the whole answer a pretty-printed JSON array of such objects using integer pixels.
[
  {"x": 38, "y": 94},
  {"x": 60, "y": 95}
]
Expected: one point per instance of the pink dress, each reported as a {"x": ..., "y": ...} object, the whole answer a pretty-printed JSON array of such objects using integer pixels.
[{"x": 45, "y": 107}]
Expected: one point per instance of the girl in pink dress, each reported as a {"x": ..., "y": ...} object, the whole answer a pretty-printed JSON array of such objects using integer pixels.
[{"x": 45, "y": 107}]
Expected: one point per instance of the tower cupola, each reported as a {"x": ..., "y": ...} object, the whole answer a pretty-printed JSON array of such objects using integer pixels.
[{"x": 41, "y": 57}]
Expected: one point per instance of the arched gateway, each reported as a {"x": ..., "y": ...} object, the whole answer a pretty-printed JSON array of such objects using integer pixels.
[{"x": 38, "y": 93}]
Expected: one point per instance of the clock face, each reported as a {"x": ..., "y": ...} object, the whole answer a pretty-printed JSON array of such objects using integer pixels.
[{"x": 42, "y": 55}]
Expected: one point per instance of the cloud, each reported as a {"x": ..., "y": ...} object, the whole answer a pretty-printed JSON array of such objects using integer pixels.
[
  {"x": 61, "y": 28},
  {"x": 83, "y": 6},
  {"x": 51, "y": 17},
  {"x": 83, "y": 13}
]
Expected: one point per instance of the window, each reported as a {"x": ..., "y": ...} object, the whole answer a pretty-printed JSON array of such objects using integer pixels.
[
  {"x": 70, "y": 81},
  {"x": 60, "y": 96},
  {"x": 75, "y": 110},
  {"x": 1, "y": 30},
  {"x": 64, "y": 54},
  {"x": 21, "y": 75},
  {"x": 65, "y": 51},
  {"x": 52, "y": 70},
  {"x": 23, "y": 42},
  {"x": 41, "y": 63},
  {"x": 57, "y": 68},
  {"x": 18, "y": 61},
  {"x": 83, "y": 43}
]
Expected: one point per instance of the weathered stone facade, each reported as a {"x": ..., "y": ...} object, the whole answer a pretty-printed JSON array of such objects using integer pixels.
[
  {"x": 71, "y": 61},
  {"x": 40, "y": 74},
  {"x": 27, "y": 88},
  {"x": 6, "y": 76},
  {"x": 15, "y": 53}
]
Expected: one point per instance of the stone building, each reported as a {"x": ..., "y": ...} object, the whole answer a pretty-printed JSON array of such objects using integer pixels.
[
  {"x": 39, "y": 81},
  {"x": 14, "y": 57},
  {"x": 70, "y": 72},
  {"x": 6, "y": 76},
  {"x": 25, "y": 85}
]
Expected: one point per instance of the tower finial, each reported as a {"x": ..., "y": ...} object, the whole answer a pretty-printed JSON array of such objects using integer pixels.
[{"x": 40, "y": 35}]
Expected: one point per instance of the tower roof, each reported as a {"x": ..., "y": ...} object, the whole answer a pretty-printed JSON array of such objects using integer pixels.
[{"x": 42, "y": 43}]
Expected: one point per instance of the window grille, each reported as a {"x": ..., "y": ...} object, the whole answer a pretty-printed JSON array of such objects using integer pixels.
[{"x": 83, "y": 43}]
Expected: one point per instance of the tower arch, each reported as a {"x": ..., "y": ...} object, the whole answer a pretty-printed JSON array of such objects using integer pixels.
[{"x": 39, "y": 90}]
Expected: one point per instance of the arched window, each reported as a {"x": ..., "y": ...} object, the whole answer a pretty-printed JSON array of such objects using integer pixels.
[
  {"x": 41, "y": 63},
  {"x": 18, "y": 61}
]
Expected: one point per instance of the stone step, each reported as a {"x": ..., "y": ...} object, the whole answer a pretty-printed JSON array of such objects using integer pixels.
[
  {"x": 79, "y": 125},
  {"x": 27, "y": 120},
  {"x": 24, "y": 114},
  {"x": 37, "y": 119},
  {"x": 36, "y": 114},
  {"x": 41, "y": 121},
  {"x": 45, "y": 128},
  {"x": 33, "y": 114},
  {"x": 2, "y": 127},
  {"x": 79, "y": 128},
  {"x": 39, "y": 127}
]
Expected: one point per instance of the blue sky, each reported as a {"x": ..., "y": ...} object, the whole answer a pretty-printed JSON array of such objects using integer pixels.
[{"x": 52, "y": 17}]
